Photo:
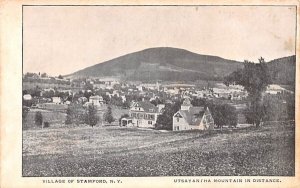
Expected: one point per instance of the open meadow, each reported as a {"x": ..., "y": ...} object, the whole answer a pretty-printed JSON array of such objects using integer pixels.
[{"x": 114, "y": 151}]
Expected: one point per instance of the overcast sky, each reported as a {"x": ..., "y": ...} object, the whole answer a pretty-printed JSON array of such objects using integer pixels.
[{"x": 62, "y": 40}]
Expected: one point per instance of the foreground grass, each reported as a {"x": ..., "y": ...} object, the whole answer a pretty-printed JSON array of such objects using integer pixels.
[{"x": 113, "y": 151}]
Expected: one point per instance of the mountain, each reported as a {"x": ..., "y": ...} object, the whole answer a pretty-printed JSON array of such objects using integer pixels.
[
  {"x": 162, "y": 63},
  {"x": 173, "y": 64},
  {"x": 283, "y": 70}
]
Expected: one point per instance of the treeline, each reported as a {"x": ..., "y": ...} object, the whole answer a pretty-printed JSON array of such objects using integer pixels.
[
  {"x": 50, "y": 80},
  {"x": 76, "y": 114}
]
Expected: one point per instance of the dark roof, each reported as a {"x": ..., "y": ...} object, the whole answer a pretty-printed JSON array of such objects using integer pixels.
[
  {"x": 147, "y": 106},
  {"x": 194, "y": 115}
]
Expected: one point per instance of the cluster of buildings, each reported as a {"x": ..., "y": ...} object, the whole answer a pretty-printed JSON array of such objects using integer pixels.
[
  {"x": 142, "y": 111},
  {"x": 144, "y": 114}
]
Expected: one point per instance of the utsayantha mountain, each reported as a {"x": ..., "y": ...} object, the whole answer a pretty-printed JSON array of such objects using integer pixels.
[{"x": 174, "y": 64}]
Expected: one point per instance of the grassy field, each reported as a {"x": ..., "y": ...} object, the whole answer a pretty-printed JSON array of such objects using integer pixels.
[
  {"x": 116, "y": 151},
  {"x": 55, "y": 116}
]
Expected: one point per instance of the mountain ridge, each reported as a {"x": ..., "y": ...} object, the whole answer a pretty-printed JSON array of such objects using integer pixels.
[{"x": 168, "y": 64}]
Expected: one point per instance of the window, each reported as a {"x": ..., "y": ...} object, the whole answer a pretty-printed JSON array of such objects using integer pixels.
[
  {"x": 150, "y": 122},
  {"x": 177, "y": 119}
]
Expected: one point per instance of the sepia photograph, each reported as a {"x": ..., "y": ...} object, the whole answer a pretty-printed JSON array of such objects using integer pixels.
[{"x": 158, "y": 90}]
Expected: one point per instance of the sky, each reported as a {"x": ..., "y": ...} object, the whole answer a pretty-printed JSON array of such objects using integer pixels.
[{"x": 64, "y": 39}]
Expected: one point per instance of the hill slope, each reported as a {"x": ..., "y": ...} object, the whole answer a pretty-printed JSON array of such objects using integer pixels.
[
  {"x": 173, "y": 64},
  {"x": 283, "y": 70},
  {"x": 162, "y": 64}
]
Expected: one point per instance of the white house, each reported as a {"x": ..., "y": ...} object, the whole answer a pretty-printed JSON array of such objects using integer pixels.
[
  {"x": 27, "y": 97},
  {"x": 189, "y": 118},
  {"x": 56, "y": 100},
  {"x": 143, "y": 114},
  {"x": 96, "y": 100}
]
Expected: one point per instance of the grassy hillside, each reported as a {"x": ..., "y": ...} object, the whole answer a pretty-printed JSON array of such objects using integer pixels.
[
  {"x": 114, "y": 151},
  {"x": 173, "y": 64},
  {"x": 162, "y": 64},
  {"x": 283, "y": 70}
]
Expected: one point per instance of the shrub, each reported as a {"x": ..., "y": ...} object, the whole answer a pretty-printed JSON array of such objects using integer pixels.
[
  {"x": 75, "y": 114},
  {"x": 25, "y": 111},
  {"x": 91, "y": 117},
  {"x": 38, "y": 118},
  {"x": 108, "y": 117},
  {"x": 165, "y": 120},
  {"x": 46, "y": 124}
]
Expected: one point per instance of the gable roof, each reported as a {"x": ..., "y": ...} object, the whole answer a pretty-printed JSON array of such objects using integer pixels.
[
  {"x": 147, "y": 106},
  {"x": 193, "y": 116}
]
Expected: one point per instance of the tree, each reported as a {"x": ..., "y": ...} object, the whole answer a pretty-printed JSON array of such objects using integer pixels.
[
  {"x": 91, "y": 117},
  {"x": 223, "y": 114},
  {"x": 274, "y": 108},
  {"x": 87, "y": 94},
  {"x": 165, "y": 120},
  {"x": 290, "y": 105},
  {"x": 60, "y": 77},
  {"x": 44, "y": 75},
  {"x": 25, "y": 111},
  {"x": 255, "y": 78},
  {"x": 75, "y": 114},
  {"x": 38, "y": 118},
  {"x": 199, "y": 102},
  {"x": 108, "y": 117}
]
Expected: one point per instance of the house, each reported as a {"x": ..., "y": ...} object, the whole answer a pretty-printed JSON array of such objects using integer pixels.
[
  {"x": 143, "y": 114},
  {"x": 27, "y": 97},
  {"x": 96, "y": 100},
  {"x": 189, "y": 117},
  {"x": 56, "y": 100}
]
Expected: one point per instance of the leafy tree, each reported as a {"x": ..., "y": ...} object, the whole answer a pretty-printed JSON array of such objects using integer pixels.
[
  {"x": 87, "y": 94},
  {"x": 255, "y": 78},
  {"x": 91, "y": 117},
  {"x": 165, "y": 120},
  {"x": 44, "y": 75},
  {"x": 223, "y": 114},
  {"x": 29, "y": 75},
  {"x": 290, "y": 105},
  {"x": 108, "y": 116},
  {"x": 126, "y": 104},
  {"x": 38, "y": 118},
  {"x": 199, "y": 102},
  {"x": 69, "y": 118},
  {"x": 115, "y": 100},
  {"x": 60, "y": 77},
  {"x": 274, "y": 108},
  {"x": 156, "y": 101},
  {"x": 75, "y": 114},
  {"x": 48, "y": 94},
  {"x": 25, "y": 111}
]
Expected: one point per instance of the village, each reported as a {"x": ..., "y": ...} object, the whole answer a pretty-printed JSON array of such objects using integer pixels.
[
  {"x": 135, "y": 104},
  {"x": 109, "y": 127}
]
